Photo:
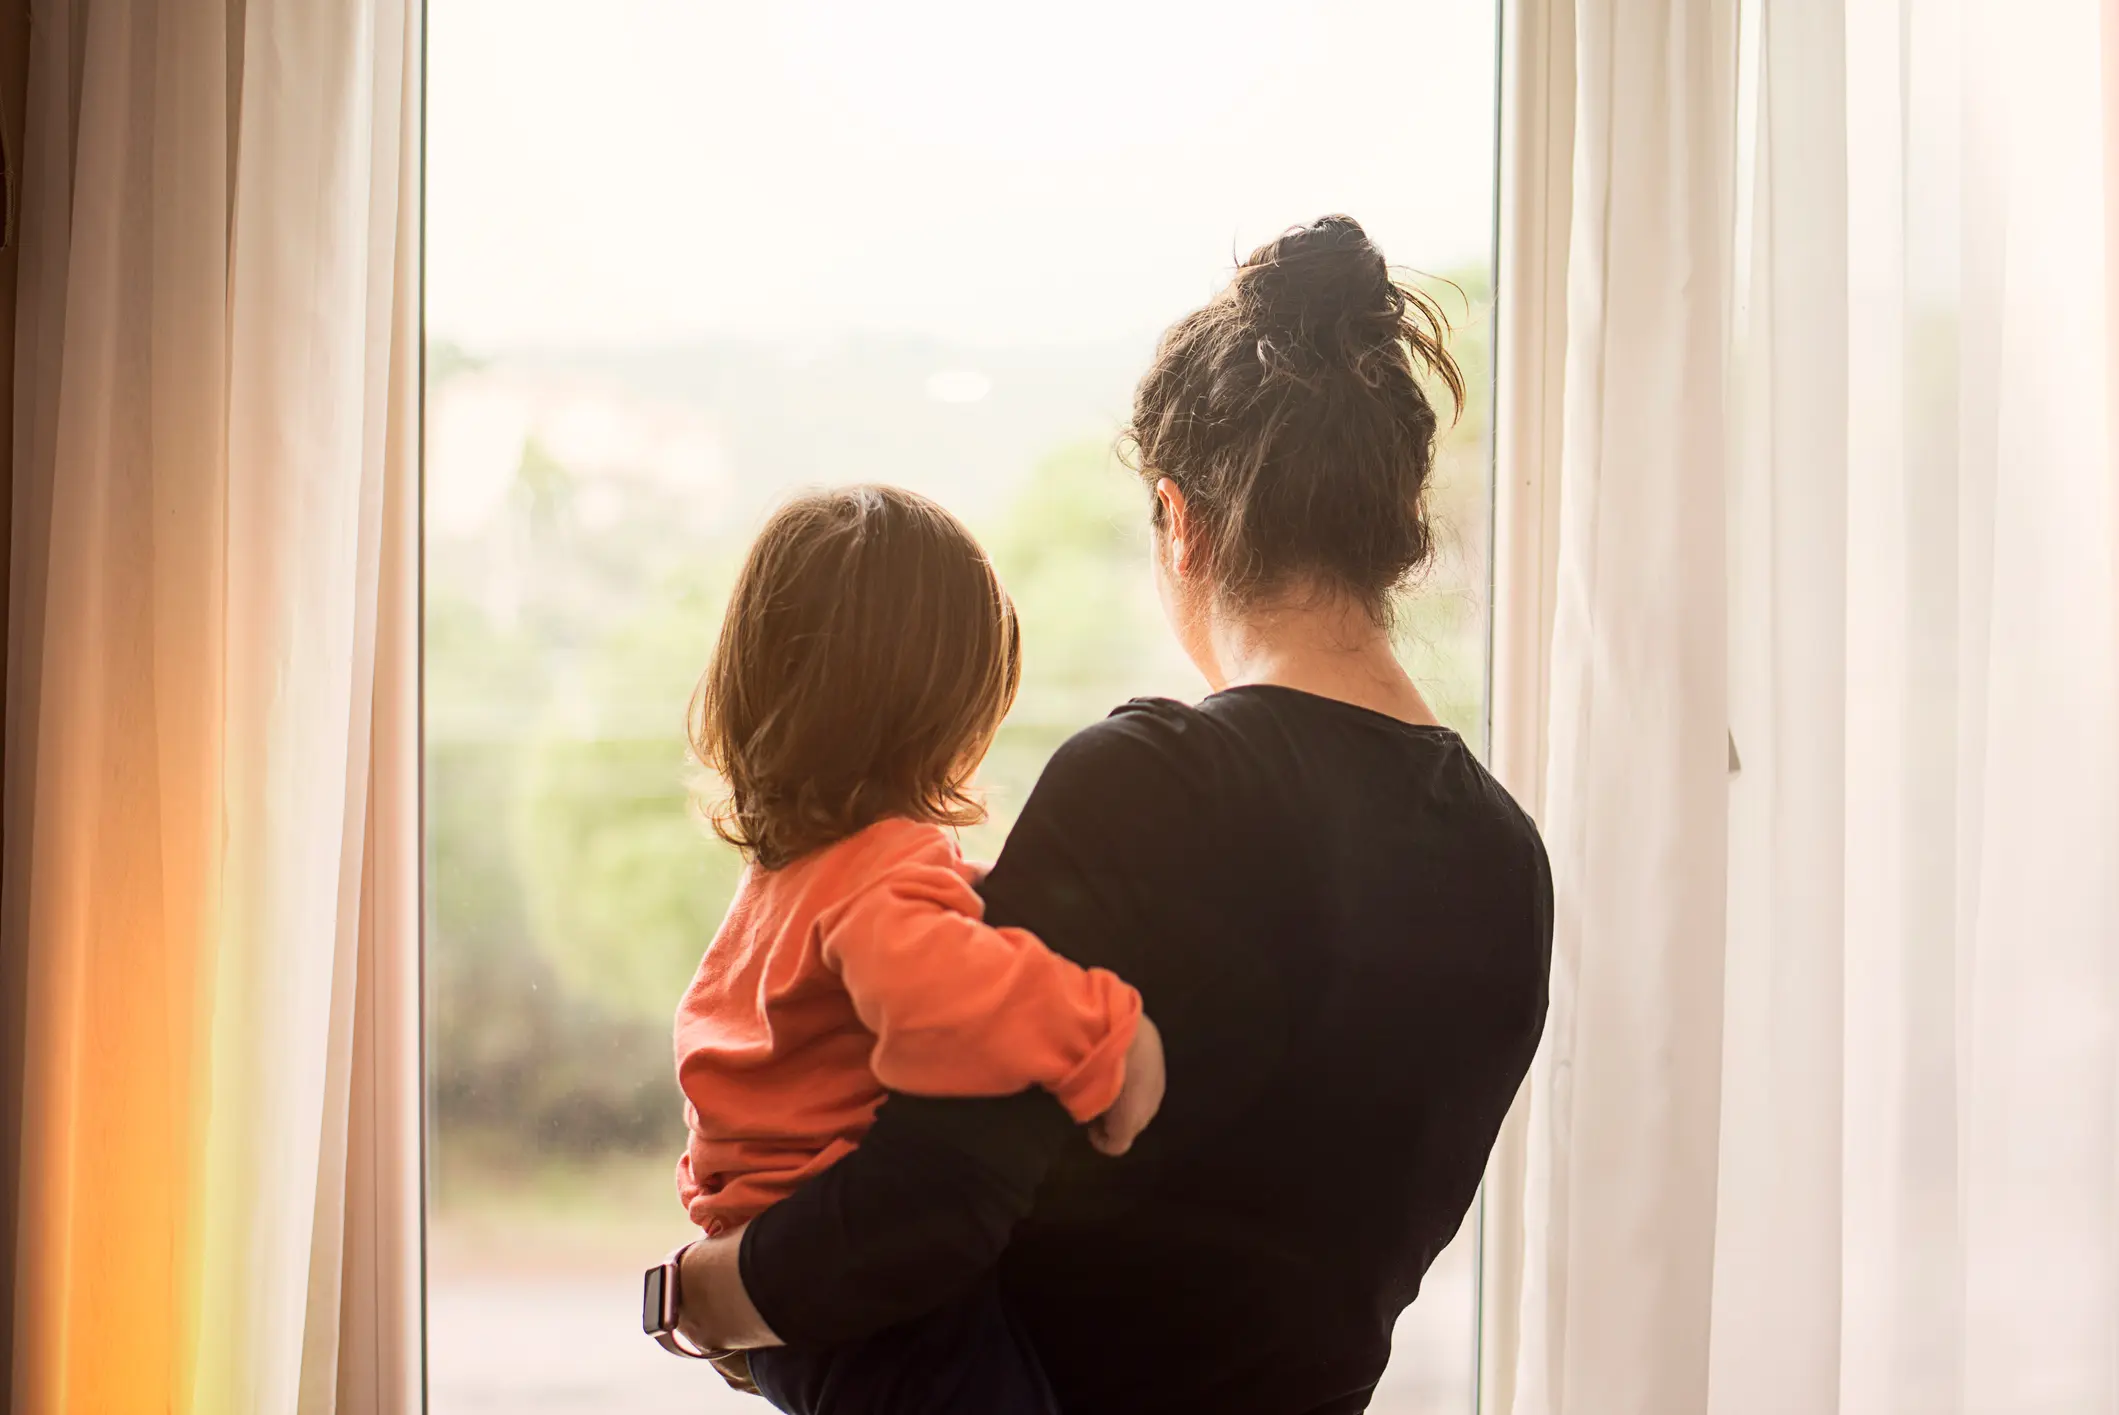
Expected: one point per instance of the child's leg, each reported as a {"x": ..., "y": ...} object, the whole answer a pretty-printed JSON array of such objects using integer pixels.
[{"x": 968, "y": 1358}]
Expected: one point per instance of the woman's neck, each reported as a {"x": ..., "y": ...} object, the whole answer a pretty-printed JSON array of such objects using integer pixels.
[{"x": 1330, "y": 647}]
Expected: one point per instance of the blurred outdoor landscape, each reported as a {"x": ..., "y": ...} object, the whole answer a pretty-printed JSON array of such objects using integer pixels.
[{"x": 588, "y": 496}]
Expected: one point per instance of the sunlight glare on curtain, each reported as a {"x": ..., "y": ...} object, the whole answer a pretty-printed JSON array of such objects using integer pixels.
[{"x": 207, "y": 805}]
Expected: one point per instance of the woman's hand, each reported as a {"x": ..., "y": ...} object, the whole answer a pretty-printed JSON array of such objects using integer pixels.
[
  {"x": 713, "y": 1310},
  {"x": 1139, "y": 1098}
]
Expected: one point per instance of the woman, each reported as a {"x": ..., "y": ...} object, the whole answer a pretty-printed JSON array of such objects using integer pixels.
[{"x": 1341, "y": 922}]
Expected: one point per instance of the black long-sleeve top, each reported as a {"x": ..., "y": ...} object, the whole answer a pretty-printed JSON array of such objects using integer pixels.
[{"x": 1342, "y": 925}]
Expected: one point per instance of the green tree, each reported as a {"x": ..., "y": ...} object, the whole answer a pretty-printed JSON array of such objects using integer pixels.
[{"x": 624, "y": 884}]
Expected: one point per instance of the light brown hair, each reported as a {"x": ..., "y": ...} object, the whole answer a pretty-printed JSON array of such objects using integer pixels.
[
  {"x": 1289, "y": 411},
  {"x": 866, "y": 659}
]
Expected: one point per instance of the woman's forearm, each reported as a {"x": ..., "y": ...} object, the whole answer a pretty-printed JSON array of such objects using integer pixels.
[
  {"x": 908, "y": 1221},
  {"x": 715, "y": 1312}
]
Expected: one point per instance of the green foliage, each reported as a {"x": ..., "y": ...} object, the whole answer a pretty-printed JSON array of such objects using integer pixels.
[
  {"x": 475, "y": 671},
  {"x": 624, "y": 887},
  {"x": 624, "y": 884},
  {"x": 543, "y": 491},
  {"x": 511, "y": 1049},
  {"x": 446, "y": 359},
  {"x": 1078, "y": 505},
  {"x": 1073, "y": 553},
  {"x": 1440, "y": 625}
]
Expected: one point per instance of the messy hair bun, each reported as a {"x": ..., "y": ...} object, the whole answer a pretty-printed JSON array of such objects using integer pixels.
[{"x": 1290, "y": 413}]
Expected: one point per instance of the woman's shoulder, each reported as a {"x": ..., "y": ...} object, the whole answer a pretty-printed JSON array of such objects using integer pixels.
[
  {"x": 1142, "y": 740},
  {"x": 1152, "y": 768}
]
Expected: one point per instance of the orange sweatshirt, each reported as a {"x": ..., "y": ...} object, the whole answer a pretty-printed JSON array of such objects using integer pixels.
[{"x": 862, "y": 967}]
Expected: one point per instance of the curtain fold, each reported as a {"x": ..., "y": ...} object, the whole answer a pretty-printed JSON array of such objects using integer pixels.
[
  {"x": 1624, "y": 1095},
  {"x": 1830, "y": 1123},
  {"x": 211, "y": 793},
  {"x": 1777, "y": 1235},
  {"x": 1530, "y": 351}
]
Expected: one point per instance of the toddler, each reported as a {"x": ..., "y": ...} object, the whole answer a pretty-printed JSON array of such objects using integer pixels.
[{"x": 868, "y": 655}]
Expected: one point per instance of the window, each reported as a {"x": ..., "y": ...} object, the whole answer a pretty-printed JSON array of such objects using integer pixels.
[{"x": 684, "y": 257}]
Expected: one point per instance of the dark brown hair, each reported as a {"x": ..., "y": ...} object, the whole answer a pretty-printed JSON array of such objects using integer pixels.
[
  {"x": 1289, "y": 412},
  {"x": 867, "y": 657}
]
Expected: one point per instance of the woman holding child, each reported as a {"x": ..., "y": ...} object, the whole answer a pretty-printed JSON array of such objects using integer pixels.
[{"x": 927, "y": 1150}]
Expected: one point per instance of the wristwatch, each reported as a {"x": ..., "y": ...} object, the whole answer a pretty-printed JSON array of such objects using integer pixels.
[{"x": 660, "y": 1303}]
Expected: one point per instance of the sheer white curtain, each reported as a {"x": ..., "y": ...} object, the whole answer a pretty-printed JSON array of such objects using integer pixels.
[
  {"x": 1830, "y": 1121},
  {"x": 211, "y": 853},
  {"x": 1622, "y": 1110},
  {"x": 1920, "y": 1177}
]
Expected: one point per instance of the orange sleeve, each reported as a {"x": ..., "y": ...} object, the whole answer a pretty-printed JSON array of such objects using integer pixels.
[{"x": 962, "y": 1009}]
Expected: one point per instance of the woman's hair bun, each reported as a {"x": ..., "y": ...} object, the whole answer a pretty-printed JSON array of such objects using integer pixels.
[
  {"x": 1289, "y": 411},
  {"x": 1312, "y": 278}
]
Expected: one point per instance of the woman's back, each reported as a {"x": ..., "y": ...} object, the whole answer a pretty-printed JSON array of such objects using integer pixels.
[{"x": 1343, "y": 925}]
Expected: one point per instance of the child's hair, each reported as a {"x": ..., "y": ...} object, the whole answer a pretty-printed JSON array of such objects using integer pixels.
[{"x": 867, "y": 657}]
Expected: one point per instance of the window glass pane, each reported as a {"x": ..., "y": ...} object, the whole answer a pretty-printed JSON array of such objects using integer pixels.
[{"x": 684, "y": 257}]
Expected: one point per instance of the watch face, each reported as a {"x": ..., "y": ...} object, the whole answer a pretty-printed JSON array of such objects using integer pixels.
[{"x": 651, "y": 1320}]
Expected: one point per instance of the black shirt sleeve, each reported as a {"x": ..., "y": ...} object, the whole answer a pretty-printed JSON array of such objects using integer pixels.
[{"x": 925, "y": 1206}]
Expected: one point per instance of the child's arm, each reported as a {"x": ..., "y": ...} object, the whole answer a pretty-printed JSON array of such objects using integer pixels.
[{"x": 962, "y": 1009}]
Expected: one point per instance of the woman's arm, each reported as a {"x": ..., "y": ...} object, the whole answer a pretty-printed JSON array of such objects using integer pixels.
[
  {"x": 714, "y": 1311},
  {"x": 900, "y": 1226},
  {"x": 926, "y": 1205},
  {"x": 905, "y": 1223}
]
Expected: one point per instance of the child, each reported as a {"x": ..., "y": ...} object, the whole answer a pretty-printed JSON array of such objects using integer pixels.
[{"x": 865, "y": 663}]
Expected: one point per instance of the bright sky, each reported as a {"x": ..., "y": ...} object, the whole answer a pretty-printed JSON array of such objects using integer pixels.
[{"x": 614, "y": 172}]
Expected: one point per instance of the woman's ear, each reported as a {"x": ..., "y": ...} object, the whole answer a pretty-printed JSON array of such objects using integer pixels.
[{"x": 1177, "y": 529}]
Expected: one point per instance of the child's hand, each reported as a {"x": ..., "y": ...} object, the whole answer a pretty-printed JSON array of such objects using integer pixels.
[{"x": 1139, "y": 1098}]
